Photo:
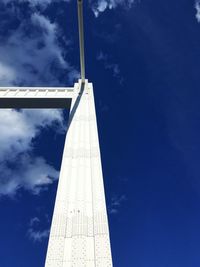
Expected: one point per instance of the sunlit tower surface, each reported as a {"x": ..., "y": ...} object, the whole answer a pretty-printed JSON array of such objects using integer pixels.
[{"x": 79, "y": 235}]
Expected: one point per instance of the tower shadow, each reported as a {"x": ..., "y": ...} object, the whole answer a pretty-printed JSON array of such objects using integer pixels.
[{"x": 75, "y": 106}]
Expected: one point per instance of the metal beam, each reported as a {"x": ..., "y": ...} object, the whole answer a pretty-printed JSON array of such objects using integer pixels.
[
  {"x": 37, "y": 97},
  {"x": 35, "y": 103},
  {"x": 81, "y": 39}
]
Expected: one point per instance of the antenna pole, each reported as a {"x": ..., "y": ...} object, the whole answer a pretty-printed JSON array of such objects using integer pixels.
[{"x": 81, "y": 39}]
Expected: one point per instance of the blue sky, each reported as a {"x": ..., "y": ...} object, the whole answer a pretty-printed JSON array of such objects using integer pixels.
[{"x": 143, "y": 58}]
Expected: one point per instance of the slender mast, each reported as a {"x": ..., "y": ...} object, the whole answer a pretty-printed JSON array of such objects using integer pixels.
[{"x": 81, "y": 39}]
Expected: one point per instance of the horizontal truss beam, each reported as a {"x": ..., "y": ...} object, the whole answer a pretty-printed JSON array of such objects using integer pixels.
[{"x": 35, "y": 97}]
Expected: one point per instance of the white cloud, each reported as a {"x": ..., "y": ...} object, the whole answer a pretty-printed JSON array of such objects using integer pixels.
[
  {"x": 7, "y": 73},
  {"x": 33, "y": 221},
  {"x": 19, "y": 168},
  {"x": 36, "y": 235},
  {"x": 31, "y": 173},
  {"x": 26, "y": 125},
  {"x": 197, "y": 7},
  {"x": 31, "y": 54},
  {"x": 116, "y": 203},
  {"x": 100, "y": 6},
  {"x": 40, "y": 3},
  {"x": 102, "y": 57}
]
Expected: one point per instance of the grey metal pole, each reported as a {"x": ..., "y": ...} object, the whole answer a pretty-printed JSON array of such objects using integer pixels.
[{"x": 81, "y": 39}]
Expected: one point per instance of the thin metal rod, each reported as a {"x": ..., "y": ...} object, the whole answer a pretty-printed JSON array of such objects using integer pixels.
[{"x": 81, "y": 39}]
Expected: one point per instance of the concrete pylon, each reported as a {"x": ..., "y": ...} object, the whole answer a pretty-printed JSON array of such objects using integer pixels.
[{"x": 79, "y": 235}]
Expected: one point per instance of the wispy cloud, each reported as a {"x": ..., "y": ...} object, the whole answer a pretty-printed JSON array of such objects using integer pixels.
[
  {"x": 33, "y": 233},
  {"x": 116, "y": 204},
  {"x": 39, "y": 3},
  {"x": 197, "y": 7},
  {"x": 38, "y": 236},
  {"x": 113, "y": 67},
  {"x": 33, "y": 221},
  {"x": 99, "y": 6},
  {"x": 30, "y": 52},
  {"x": 19, "y": 167}
]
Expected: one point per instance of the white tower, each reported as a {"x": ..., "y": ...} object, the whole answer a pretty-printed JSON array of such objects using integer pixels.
[{"x": 79, "y": 235}]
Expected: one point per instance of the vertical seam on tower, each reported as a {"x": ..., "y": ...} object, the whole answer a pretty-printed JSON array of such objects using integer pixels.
[{"x": 89, "y": 108}]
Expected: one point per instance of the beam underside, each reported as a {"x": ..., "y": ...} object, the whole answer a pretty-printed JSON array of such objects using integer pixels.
[{"x": 35, "y": 103}]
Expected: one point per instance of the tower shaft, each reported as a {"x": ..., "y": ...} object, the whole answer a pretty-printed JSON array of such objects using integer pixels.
[{"x": 79, "y": 235}]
